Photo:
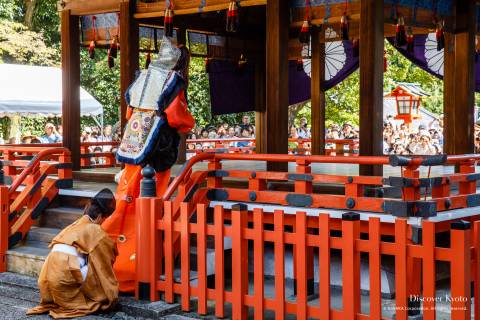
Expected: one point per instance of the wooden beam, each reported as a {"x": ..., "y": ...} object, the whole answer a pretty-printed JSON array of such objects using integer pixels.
[
  {"x": 276, "y": 122},
  {"x": 459, "y": 82},
  {"x": 371, "y": 82},
  {"x": 129, "y": 48},
  {"x": 157, "y": 9},
  {"x": 70, "y": 32},
  {"x": 318, "y": 93},
  {"x": 89, "y": 7}
]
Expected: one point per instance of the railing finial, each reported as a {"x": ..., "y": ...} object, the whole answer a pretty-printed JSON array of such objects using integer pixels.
[{"x": 148, "y": 187}]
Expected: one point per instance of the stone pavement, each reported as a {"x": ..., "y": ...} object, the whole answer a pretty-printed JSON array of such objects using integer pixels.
[{"x": 18, "y": 293}]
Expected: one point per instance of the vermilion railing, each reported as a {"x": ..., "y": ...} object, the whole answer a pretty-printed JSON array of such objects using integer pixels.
[
  {"x": 30, "y": 192},
  {"x": 297, "y": 146},
  {"x": 200, "y": 204},
  {"x": 89, "y": 158}
]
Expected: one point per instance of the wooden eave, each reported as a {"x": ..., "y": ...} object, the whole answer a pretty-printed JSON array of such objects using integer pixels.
[{"x": 89, "y": 7}]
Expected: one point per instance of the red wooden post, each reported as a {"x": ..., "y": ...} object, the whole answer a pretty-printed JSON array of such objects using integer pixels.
[
  {"x": 219, "y": 263},
  {"x": 467, "y": 187},
  {"x": 185, "y": 255},
  {"x": 10, "y": 170},
  {"x": 85, "y": 161},
  {"x": 168, "y": 247},
  {"x": 374, "y": 266},
  {"x": 460, "y": 270},
  {"x": 258, "y": 260},
  {"x": 279, "y": 261},
  {"x": 4, "y": 227},
  {"x": 350, "y": 265},
  {"x": 428, "y": 265},
  {"x": 301, "y": 263},
  {"x": 239, "y": 261},
  {"x": 147, "y": 256},
  {"x": 324, "y": 272},
  {"x": 202, "y": 257},
  {"x": 401, "y": 294},
  {"x": 476, "y": 268},
  {"x": 65, "y": 168},
  {"x": 214, "y": 182}
]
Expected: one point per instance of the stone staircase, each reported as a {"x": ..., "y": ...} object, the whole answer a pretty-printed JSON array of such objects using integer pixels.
[{"x": 28, "y": 257}]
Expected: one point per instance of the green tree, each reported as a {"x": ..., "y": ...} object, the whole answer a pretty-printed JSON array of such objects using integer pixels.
[{"x": 20, "y": 45}]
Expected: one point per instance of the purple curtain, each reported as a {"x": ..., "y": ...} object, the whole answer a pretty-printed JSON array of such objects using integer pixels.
[
  {"x": 426, "y": 57},
  {"x": 231, "y": 90}
]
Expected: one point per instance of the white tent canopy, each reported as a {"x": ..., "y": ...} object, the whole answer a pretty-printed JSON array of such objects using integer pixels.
[{"x": 37, "y": 91}]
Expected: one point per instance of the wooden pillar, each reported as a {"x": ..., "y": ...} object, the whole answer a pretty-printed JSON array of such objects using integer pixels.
[
  {"x": 318, "y": 93},
  {"x": 129, "y": 49},
  {"x": 70, "y": 31},
  {"x": 276, "y": 120},
  {"x": 459, "y": 82},
  {"x": 182, "y": 148},
  {"x": 371, "y": 82}
]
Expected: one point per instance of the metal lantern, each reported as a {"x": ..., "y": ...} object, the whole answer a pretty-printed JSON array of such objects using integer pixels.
[{"x": 408, "y": 98}]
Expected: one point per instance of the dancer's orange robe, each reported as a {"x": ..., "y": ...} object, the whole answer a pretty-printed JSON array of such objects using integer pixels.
[{"x": 121, "y": 225}]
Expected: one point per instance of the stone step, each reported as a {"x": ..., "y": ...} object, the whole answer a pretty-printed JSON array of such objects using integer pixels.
[
  {"x": 42, "y": 235},
  {"x": 26, "y": 259},
  {"x": 59, "y": 217}
]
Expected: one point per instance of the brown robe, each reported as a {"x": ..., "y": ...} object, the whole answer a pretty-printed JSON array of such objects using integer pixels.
[{"x": 63, "y": 292}]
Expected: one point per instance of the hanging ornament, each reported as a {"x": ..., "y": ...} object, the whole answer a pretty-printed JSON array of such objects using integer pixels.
[
  {"x": 114, "y": 47},
  {"x": 356, "y": 48},
  {"x": 242, "y": 62},
  {"x": 300, "y": 65},
  {"x": 91, "y": 47},
  {"x": 168, "y": 20},
  {"x": 385, "y": 62},
  {"x": 207, "y": 65},
  {"x": 148, "y": 59},
  {"x": 305, "y": 30},
  {"x": 232, "y": 17},
  {"x": 440, "y": 36},
  {"x": 344, "y": 23},
  {"x": 400, "y": 34},
  {"x": 110, "y": 59},
  {"x": 410, "y": 44}
]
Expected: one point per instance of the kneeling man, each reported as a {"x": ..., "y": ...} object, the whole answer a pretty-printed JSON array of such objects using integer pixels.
[{"x": 77, "y": 278}]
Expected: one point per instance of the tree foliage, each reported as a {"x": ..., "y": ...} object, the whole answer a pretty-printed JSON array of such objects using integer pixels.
[{"x": 20, "y": 45}]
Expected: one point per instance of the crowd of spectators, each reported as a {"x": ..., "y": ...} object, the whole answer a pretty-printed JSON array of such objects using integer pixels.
[
  {"x": 397, "y": 138},
  {"x": 407, "y": 140}
]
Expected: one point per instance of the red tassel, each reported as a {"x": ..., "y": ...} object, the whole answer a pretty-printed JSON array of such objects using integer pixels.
[
  {"x": 91, "y": 50},
  {"x": 400, "y": 34},
  {"x": 344, "y": 26},
  {"x": 300, "y": 65},
  {"x": 114, "y": 47},
  {"x": 305, "y": 31},
  {"x": 440, "y": 36},
  {"x": 410, "y": 43},
  {"x": 110, "y": 59},
  {"x": 91, "y": 47},
  {"x": 207, "y": 65},
  {"x": 148, "y": 59},
  {"x": 168, "y": 21},
  {"x": 232, "y": 17},
  {"x": 356, "y": 48},
  {"x": 385, "y": 62}
]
